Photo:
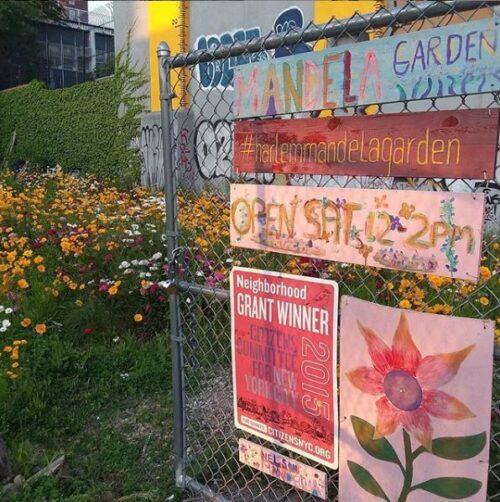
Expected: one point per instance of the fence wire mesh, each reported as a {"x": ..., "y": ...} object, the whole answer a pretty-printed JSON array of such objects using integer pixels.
[{"x": 207, "y": 456}]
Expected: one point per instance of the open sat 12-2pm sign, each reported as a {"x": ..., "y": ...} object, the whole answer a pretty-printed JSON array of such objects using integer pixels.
[
  {"x": 284, "y": 344},
  {"x": 435, "y": 233}
]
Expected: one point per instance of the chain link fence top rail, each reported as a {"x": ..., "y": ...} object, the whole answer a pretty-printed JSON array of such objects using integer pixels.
[{"x": 206, "y": 440}]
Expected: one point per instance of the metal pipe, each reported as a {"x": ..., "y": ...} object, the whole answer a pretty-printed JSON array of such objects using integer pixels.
[
  {"x": 166, "y": 96},
  {"x": 219, "y": 293},
  {"x": 198, "y": 487},
  {"x": 334, "y": 28}
]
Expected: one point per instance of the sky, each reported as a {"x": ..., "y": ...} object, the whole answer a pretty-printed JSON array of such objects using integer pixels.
[{"x": 93, "y": 4}]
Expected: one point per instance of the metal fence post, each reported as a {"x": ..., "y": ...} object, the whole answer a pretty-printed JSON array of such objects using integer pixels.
[{"x": 166, "y": 96}]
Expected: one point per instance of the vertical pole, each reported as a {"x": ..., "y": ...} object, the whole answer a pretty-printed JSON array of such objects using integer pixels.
[{"x": 166, "y": 96}]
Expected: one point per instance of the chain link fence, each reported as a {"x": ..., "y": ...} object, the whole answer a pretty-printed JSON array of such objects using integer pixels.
[{"x": 206, "y": 441}]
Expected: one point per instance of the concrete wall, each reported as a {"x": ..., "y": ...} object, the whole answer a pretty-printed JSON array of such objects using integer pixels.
[
  {"x": 204, "y": 150},
  {"x": 131, "y": 16}
]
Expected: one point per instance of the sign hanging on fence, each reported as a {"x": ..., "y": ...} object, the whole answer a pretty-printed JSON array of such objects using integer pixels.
[
  {"x": 446, "y": 144},
  {"x": 445, "y": 61},
  {"x": 286, "y": 469},
  {"x": 413, "y": 422},
  {"x": 284, "y": 330},
  {"x": 428, "y": 232}
]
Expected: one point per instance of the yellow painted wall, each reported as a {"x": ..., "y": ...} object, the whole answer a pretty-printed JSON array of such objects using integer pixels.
[
  {"x": 164, "y": 24},
  {"x": 324, "y": 10}
]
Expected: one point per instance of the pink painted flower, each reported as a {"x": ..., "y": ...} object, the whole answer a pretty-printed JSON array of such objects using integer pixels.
[{"x": 407, "y": 384}]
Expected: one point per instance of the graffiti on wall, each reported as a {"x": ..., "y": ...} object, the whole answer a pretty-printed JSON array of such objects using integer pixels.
[
  {"x": 213, "y": 146},
  {"x": 492, "y": 209},
  {"x": 220, "y": 73},
  {"x": 289, "y": 20},
  {"x": 151, "y": 151}
]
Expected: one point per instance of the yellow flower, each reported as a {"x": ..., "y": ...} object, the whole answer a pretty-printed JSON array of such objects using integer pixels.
[
  {"x": 23, "y": 283},
  {"x": 484, "y": 300},
  {"x": 7, "y": 349},
  {"x": 485, "y": 273},
  {"x": 138, "y": 317},
  {"x": 390, "y": 285},
  {"x": 41, "y": 268},
  {"x": 15, "y": 365},
  {"x": 405, "y": 304},
  {"x": 26, "y": 322},
  {"x": 41, "y": 328},
  {"x": 78, "y": 303},
  {"x": 113, "y": 290}
]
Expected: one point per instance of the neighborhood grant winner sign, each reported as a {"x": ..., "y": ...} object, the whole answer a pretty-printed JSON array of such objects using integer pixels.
[
  {"x": 446, "y": 144},
  {"x": 428, "y": 232},
  {"x": 284, "y": 345},
  {"x": 446, "y": 61}
]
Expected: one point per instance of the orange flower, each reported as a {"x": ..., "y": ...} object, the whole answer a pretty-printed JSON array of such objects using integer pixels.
[
  {"x": 26, "y": 322},
  {"x": 41, "y": 328},
  {"x": 23, "y": 283},
  {"x": 138, "y": 318}
]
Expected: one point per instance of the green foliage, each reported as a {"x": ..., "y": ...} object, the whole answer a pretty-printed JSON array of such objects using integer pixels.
[{"x": 89, "y": 127}]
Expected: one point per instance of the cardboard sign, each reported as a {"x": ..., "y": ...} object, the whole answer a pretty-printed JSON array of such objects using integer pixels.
[
  {"x": 284, "y": 360},
  {"x": 428, "y": 232},
  {"x": 446, "y": 144},
  {"x": 445, "y": 61},
  {"x": 286, "y": 469},
  {"x": 415, "y": 395}
]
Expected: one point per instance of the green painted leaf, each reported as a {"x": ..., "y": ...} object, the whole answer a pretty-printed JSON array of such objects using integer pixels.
[
  {"x": 451, "y": 488},
  {"x": 381, "y": 449},
  {"x": 366, "y": 480},
  {"x": 459, "y": 448}
]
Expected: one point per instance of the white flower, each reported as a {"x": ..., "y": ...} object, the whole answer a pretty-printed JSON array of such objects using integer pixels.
[
  {"x": 6, "y": 323},
  {"x": 157, "y": 256},
  {"x": 3, "y": 329},
  {"x": 135, "y": 263},
  {"x": 8, "y": 310},
  {"x": 200, "y": 273},
  {"x": 116, "y": 338},
  {"x": 128, "y": 271},
  {"x": 2, "y": 308},
  {"x": 124, "y": 264}
]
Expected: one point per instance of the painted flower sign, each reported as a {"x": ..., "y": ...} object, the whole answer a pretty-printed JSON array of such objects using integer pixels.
[{"x": 413, "y": 425}]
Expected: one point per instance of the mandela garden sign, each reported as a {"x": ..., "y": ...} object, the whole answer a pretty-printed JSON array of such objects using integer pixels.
[{"x": 448, "y": 61}]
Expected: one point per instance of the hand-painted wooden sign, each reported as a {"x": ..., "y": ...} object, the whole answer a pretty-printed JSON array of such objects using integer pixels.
[
  {"x": 284, "y": 346},
  {"x": 428, "y": 232},
  {"x": 446, "y": 144},
  {"x": 413, "y": 424},
  {"x": 286, "y": 469},
  {"x": 446, "y": 61}
]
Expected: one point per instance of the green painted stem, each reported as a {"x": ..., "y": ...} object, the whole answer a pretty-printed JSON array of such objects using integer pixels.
[{"x": 408, "y": 468}]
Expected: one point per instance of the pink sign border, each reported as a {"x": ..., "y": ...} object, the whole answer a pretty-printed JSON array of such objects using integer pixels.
[{"x": 336, "y": 417}]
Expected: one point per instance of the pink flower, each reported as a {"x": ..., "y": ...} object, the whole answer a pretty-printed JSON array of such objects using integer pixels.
[
  {"x": 407, "y": 384},
  {"x": 103, "y": 287}
]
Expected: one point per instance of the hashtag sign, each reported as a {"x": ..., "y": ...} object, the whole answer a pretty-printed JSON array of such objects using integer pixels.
[{"x": 248, "y": 146}]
